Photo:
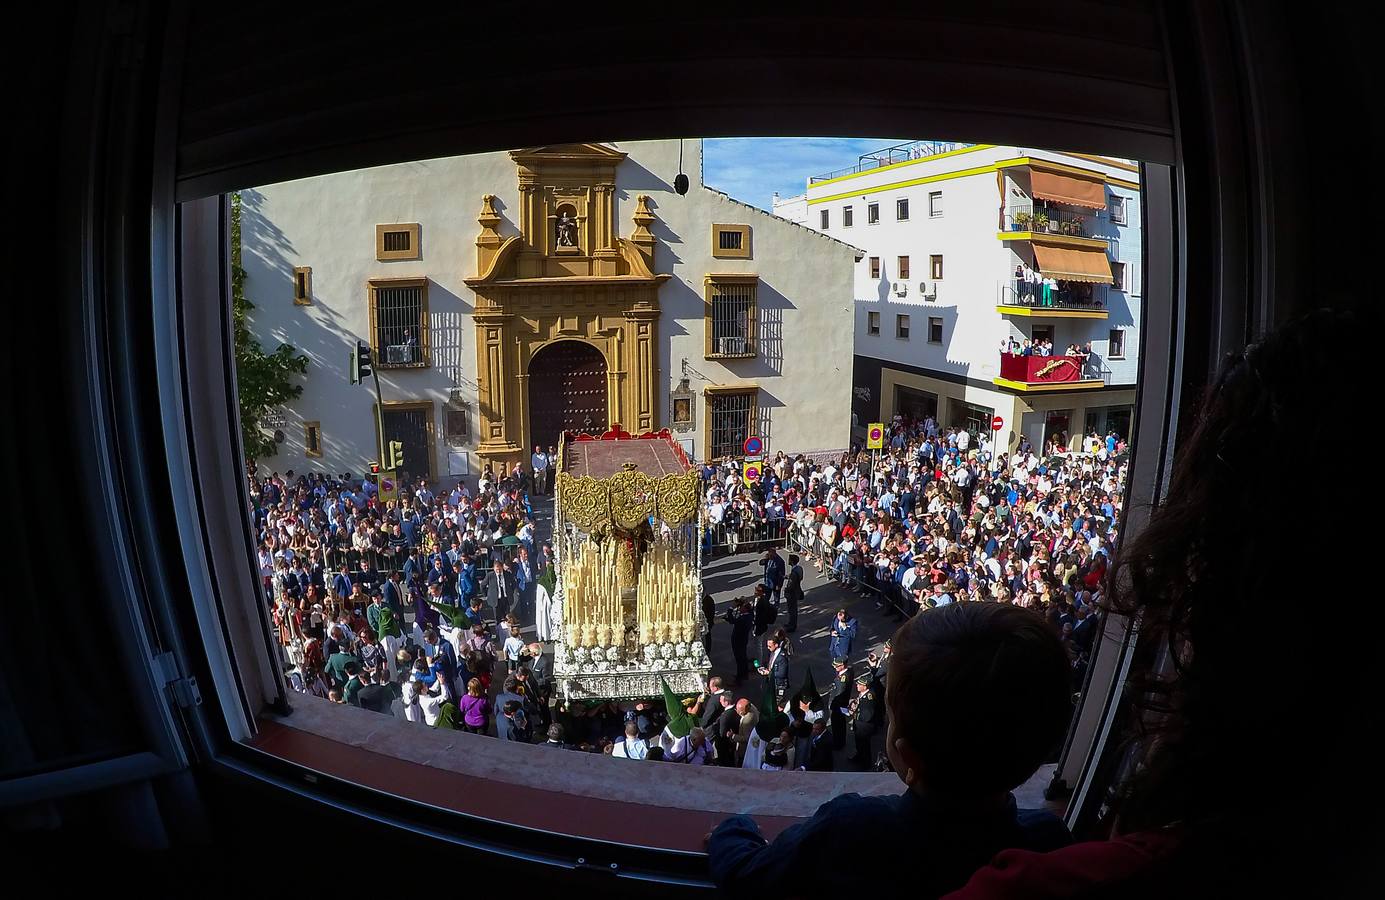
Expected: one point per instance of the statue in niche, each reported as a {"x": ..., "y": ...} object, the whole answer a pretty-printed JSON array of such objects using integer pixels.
[{"x": 567, "y": 229}]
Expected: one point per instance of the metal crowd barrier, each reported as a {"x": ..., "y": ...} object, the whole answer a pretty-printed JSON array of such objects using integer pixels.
[
  {"x": 384, "y": 563},
  {"x": 749, "y": 536}
]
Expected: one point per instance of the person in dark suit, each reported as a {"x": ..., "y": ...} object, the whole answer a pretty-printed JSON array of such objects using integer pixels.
[
  {"x": 765, "y": 611},
  {"x": 377, "y": 695},
  {"x": 500, "y": 589},
  {"x": 841, "y": 699},
  {"x": 728, "y": 725},
  {"x": 793, "y": 590},
  {"x": 777, "y": 669},
  {"x": 393, "y": 592},
  {"x": 774, "y": 573},
  {"x": 742, "y": 620},
  {"x": 865, "y": 721},
  {"x": 819, "y": 749}
]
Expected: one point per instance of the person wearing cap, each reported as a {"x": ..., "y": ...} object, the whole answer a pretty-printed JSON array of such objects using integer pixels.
[{"x": 840, "y": 701}]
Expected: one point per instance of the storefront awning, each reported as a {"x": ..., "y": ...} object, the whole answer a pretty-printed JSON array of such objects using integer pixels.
[
  {"x": 1067, "y": 264},
  {"x": 1067, "y": 189}
]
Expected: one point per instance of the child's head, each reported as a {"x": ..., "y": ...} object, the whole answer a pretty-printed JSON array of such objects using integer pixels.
[{"x": 978, "y": 695}]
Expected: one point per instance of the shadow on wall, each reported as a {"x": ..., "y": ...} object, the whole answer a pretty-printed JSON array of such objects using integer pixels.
[
  {"x": 664, "y": 256},
  {"x": 635, "y": 180},
  {"x": 769, "y": 343},
  {"x": 764, "y": 415}
]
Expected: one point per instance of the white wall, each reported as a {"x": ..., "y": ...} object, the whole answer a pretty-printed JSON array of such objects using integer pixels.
[
  {"x": 795, "y": 209},
  {"x": 328, "y": 223}
]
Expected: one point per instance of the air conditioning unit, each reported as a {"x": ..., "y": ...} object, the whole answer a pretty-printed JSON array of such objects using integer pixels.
[
  {"x": 928, "y": 291},
  {"x": 731, "y": 346},
  {"x": 901, "y": 288},
  {"x": 398, "y": 354}
]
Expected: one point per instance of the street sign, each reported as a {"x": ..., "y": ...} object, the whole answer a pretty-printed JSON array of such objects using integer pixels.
[
  {"x": 752, "y": 446},
  {"x": 389, "y": 486},
  {"x": 997, "y": 423},
  {"x": 751, "y": 472},
  {"x": 875, "y": 435}
]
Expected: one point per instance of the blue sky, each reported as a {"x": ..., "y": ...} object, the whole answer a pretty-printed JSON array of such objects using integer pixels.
[{"x": 752, "y": 169}]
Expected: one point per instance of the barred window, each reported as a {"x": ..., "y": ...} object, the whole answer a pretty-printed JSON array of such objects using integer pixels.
[
  {"x": 730, "y": 419},
  {"x": 731, "y": 241},
  {"x": 730, "y": 316},
  {"x": 901, "y": 209},
  {"x": 399, "y": 322},
  {"x": 935, "y": 204},
  {"x": 397, "y": 242}
]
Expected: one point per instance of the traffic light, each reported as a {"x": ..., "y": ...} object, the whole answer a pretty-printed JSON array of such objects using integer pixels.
[
  {"x": 361, "y": 363},
  {"x": 396, "y": 456},
  {"x": 375, "y": 468}
]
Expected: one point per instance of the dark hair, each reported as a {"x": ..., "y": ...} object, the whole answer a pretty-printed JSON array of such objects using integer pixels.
[
  {"x": 655, "y": 754},
  {"x": 981, "y": 692},
  {"x": 1205, "y": 578}
]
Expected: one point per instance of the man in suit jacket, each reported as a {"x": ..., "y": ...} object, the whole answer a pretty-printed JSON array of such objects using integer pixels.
[
  {"x": 819, "y": 749},
  {"x": 793, "y": 591},
  {"x": 709, "y": 706},
  {"x": 728, "y": 724},
  {"x": 843, "y": 692},
  {"x": 774, "y": 573},
  {"x": 500, "y": 589},
  {"x": 393, "y": 592},
  {"x": 777, "y": 669}
]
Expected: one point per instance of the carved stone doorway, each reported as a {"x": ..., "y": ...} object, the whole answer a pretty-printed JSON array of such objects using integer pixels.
[{"x": 567, "y": 392}]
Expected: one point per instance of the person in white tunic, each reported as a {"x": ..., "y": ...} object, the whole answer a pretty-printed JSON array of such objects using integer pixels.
[{"x": 543, "y": 610}]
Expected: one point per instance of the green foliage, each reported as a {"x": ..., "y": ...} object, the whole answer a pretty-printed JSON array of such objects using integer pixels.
[{"x": 263, "y": 380}]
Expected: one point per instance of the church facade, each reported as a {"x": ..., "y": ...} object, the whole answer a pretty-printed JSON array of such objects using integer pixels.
[{"x": 508, "y": 297}]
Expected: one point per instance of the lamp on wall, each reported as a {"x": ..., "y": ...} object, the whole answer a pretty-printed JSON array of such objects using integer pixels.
[{"x": 680, "y": 181}]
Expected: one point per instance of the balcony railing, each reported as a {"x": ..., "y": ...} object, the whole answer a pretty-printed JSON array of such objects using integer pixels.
[
  {"x": 891, "y": 155},
  {"x": 1074, "y": 295},
  {"x": 1050, "y": 369},
  {"x": 1051, "y": 219}
]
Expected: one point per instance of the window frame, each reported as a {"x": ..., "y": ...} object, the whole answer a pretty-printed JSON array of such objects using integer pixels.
[
  {"x": 302, "y": 285},
  {"x": 309, "y": 428},
  {"x": 1114, "y": 202},
  {"x": 710, "y": 283},
  {"x": 1119, "y": 281},
  {"x": 873, "y": 213},
  {"x": 710, "y": 394},
  {"x": 848, "y": 216},
  {"x": 743, "y": 252},
  {"x": 415, "y": 251},
  {"x": 901, "y": 204},
  {"x": 935, "y": 267},
  {"x": 938, "y": 321},
  {"x": 872, "y": 322},
  {"x": 824, "y": 219},
  {"x": 874, "y": 263},
  {"x": 935, "y": 209},
  {"x": 373, "y": 286},
  {"x": 902, "y": 267},
  {"x": 1119, "y": 334},
  {"x": 901, "y": 326}
]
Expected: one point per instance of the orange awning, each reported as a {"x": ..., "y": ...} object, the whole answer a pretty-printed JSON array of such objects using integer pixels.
[
  {"x": 1067, "y": 264},
  {"x": 1067, "y": 189}
]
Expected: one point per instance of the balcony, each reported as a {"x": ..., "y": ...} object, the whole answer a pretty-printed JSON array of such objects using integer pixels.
[
  {"x": 1048, "y": 373},
  {"x": 1072, "y": 300},
  {"x": 1050, "y": 222}
]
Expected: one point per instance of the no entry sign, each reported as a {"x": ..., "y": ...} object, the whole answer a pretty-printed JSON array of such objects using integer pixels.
[
  {"x": 997, "y": 423},
  {"x": 753, "y": 446}
]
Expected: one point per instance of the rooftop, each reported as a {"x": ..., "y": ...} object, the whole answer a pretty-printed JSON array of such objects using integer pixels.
[{"x": 888, "y": 156}]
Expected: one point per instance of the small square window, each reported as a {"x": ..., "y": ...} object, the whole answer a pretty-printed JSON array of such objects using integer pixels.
[
  {"x": 731, "y": 241},
  {"x": 901, "y": 210},
  {"x": 872, "y": 323},
  {"x": 935, "y": 330},
  {"x": 1115, "y": 345},
  {"x": 935, "y": 267},
  {"x": 901, "y": 327},
  {"x": 303, "y": 286},
  {"x": 935, "y": 204},
  {"x": 846, "y": 217},
  {"x": 1115, "y": 207},
  {"x": 823, "y": 216},
  {"x": 875, "y": 267},
  {"x": 872, "y": 213},
  {"x": 903, "y": 268},
  {"x": 312, "y": 440},
  {"x": 397, "y": 242}
]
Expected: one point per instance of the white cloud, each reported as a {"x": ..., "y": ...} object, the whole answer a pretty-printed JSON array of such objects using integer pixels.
[{"x": 752, "y": 169}]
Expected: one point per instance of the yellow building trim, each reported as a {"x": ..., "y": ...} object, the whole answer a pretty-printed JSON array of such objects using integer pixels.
[
  {"x": 1025, "y": 387},
  {"x": 1057, "y": 240},
  {"x": 1048, "y": 312},
  {"x": 907, "y": 162},
  {"x": 1104, "y": 160},
  {"x": 928, "y": 179},
  {"x": 965, "y": 173}
]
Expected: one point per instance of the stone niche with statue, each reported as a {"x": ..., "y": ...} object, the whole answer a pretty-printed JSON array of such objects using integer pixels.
[{"x": 627, "y": 607}]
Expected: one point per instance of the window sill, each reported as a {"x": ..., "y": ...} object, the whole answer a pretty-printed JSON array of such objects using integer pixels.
[
  {"x": 750, "y": 355},
  {"x": 583, "y": 795}
]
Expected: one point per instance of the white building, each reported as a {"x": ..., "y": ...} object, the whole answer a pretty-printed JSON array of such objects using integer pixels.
[
  {"x": 936, "y": 293},
  {"x": 795, "y": 209},
  {"x": 510, "y": 296}
]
